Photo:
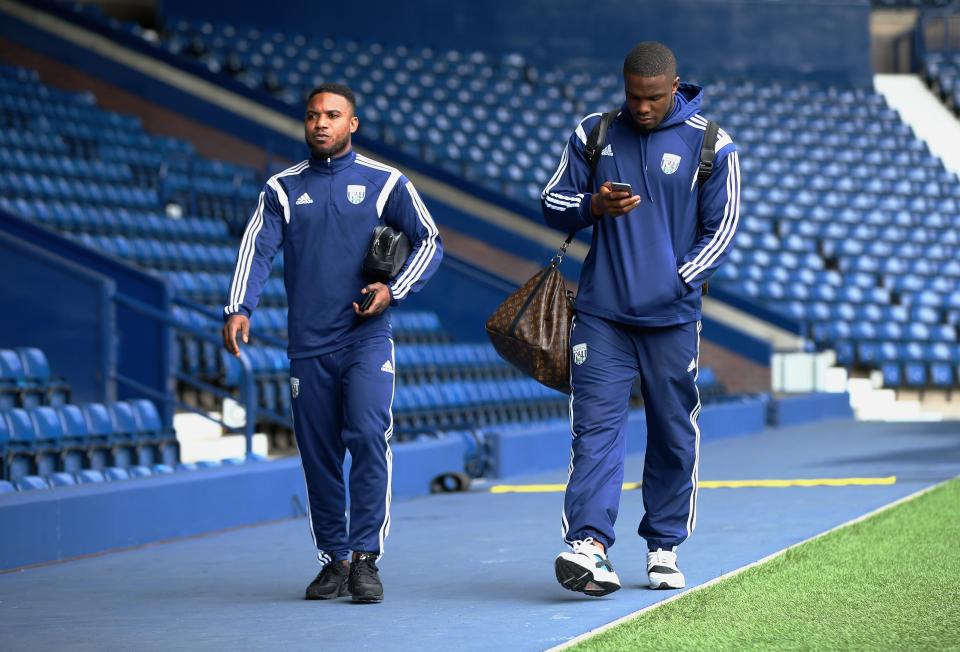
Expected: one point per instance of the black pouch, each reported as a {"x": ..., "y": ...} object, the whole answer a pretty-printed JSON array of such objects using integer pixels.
[{"x": 387, "y": 254}]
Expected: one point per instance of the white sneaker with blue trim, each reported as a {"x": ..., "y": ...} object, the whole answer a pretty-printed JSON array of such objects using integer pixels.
[
  {"x": 663, "y": 571},
  {"x": 586, "y": 569}
]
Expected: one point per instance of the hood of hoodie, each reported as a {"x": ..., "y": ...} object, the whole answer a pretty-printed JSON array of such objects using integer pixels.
[{"x": 686, "y": 103}]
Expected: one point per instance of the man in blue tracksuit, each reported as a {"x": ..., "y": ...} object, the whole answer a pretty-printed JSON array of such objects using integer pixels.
[
  {"x": 638, "y": 312},
  {"x": 322, "y": 213}
]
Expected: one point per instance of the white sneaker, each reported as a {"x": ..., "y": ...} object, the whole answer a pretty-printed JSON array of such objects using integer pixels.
[
  {"x": 586, "y": 569},
  {"x": 662, "y": 570}
]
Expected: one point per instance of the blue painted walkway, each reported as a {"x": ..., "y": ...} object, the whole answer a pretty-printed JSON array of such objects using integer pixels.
[{"x": 466, "y": 571}]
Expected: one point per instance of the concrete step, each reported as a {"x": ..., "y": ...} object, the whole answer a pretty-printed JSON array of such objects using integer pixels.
[
  {"x": 202, "y": 439},
  {"x": 873, "y": 403},
  {"x": 931, "y": 121}
]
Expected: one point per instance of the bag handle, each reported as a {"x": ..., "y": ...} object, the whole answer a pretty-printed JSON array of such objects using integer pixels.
[{"x": 594, "y": 147}]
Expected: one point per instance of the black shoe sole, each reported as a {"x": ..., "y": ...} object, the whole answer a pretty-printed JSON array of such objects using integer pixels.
[
  {"x": 327, "y": 596},
  {"x": 367, "y": 599},
  {"x": 574, "y": 578}
]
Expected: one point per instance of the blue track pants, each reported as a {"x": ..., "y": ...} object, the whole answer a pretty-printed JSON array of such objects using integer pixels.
[
  {"x": 606, "y": 358},
  {"x": 342, "y": 401}
]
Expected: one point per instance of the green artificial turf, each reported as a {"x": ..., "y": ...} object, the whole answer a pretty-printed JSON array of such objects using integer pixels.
[{"x": 890, "y": 582}]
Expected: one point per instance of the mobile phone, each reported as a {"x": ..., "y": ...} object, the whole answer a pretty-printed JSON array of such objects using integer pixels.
[
  {"x": 367, "y": 300},
  {"x": 616, "y": 186}
]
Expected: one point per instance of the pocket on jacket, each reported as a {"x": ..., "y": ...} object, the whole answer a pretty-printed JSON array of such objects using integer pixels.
[{"x": 682, "y": 289}]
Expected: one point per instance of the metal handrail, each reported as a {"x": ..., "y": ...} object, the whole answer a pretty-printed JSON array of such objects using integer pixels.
[{"x": 247, "y": 385}]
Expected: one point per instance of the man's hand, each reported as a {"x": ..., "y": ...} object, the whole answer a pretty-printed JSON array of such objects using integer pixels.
[
  {"x": 380, "y": 301},
  {"x": 611, "y": 202},
  {"x": 235, "y": 323}
]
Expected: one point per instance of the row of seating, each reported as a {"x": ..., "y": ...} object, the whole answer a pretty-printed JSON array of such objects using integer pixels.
[
  {"x": 878, "y": 352},
  {"x": 917, "y": 374},
  {"x": 70, "y": 438},
  {"x": 210, "y": 288},
  {"x": 112, "y": 474},
  {"x": 902, "y": 316},
  {"x": 114, "y": 221},
  {"x": 25, "y": 185},
  {"x": 26, "y": 380},
  {"x": 170, "y": 255}
]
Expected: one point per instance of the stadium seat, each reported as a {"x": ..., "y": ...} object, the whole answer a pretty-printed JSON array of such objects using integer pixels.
[
  {"x": 49, "y": 433},
  {"x": 61, "y": 479},
  {"x": 37, "y": 374},
  {"x": 31, "y": 482},
  {"x": 116, "y": 474},
  {"x": 21, "y": 446},
  {"x": 89, "y": 476},
  {"x": 100, "y": 432}
]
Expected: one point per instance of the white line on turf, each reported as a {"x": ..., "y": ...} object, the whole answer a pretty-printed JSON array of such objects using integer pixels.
[{"x": 593, "y": 632}]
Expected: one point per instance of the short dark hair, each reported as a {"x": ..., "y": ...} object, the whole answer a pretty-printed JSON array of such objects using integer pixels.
[
  {"x": 650, "y": 59},
  {"x": 342, "y": 90}
]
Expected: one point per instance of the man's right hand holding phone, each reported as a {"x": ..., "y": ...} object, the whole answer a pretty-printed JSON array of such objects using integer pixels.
[{"x": 613, "y": 199}]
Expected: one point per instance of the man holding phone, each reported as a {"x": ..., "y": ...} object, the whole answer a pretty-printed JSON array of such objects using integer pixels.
[
  {"x": 658, "y": 235},
  {"x": 322, "y": 212}
]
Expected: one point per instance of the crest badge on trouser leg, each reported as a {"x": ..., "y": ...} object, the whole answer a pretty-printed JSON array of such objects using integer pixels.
[
  {"x": 294, "y": 387},
  {"x": 356, "y": 194},
  {"x": 669, "y": 163},
  {"x": 579, "y": 353}
]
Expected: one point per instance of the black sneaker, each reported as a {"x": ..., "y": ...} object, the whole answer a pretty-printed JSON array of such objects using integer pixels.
[
  {"x": 364, "y": 582},
  {"x": 330, "y": 582}
]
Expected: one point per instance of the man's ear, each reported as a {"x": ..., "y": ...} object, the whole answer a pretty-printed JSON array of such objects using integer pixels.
[{"x": 354, "y": 124}]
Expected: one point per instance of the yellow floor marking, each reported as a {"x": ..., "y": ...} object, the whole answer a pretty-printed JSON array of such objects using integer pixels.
[{"x": 713, "y": 484}]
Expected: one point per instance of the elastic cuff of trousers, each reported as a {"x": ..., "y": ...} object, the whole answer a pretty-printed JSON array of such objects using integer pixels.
[
  {"x": 653, "y": 545},
  {"x": 336, "y": 555}
]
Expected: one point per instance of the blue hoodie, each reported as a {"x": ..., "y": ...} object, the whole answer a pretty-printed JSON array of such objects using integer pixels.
[
  {"x": 322, "y": 213},
  {"x": 646, "y": 268}
]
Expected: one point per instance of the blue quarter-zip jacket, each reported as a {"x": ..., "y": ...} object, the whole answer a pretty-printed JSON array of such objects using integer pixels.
[
  {"x": 323, "y": 213},
  {"x": 646, "y": 268}
]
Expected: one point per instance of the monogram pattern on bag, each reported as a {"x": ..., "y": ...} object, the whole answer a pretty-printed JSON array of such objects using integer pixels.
[{"x": 539, "y": 342}]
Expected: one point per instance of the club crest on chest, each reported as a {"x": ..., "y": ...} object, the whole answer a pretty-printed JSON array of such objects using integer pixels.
[
  {"x": 669, "y": 163},
  {"x": 355, "y": 194}
]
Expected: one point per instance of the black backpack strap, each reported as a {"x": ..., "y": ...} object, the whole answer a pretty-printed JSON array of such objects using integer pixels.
[
  {"x": 594, "y": 148},
  {"x": 596, "y": 142},
  {"x": 707, "y": 152}
]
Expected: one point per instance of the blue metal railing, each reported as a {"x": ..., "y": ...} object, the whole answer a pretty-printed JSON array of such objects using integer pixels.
[{"x": 248, "y": 391}]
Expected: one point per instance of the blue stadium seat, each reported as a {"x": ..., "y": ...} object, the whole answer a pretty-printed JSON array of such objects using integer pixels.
[
  {"x": 916, "y": 374},
  {"x": 151, "y": 429},
  {"x": 89, "y": 476},
  {"x": 31, "y": 482},
  {"x": 6, "y": 487},
  {"x": 941, "y": 375},
  {"x": 116, "y": 474},
  {"x": 892, "y": 374},
  {"x": 100, "y": 430},
  {"x": 49, "y": 433},
  {"x": 140, "y": 471},
  {"x": 76, "y": 437},
  {"x": 37, "y": 372},
  {"x": 21, "y": 446},
  {"x": 15, "y": 389},
  {"x": 61, "y": 479},
  {"x": 125, "y": 438}
]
